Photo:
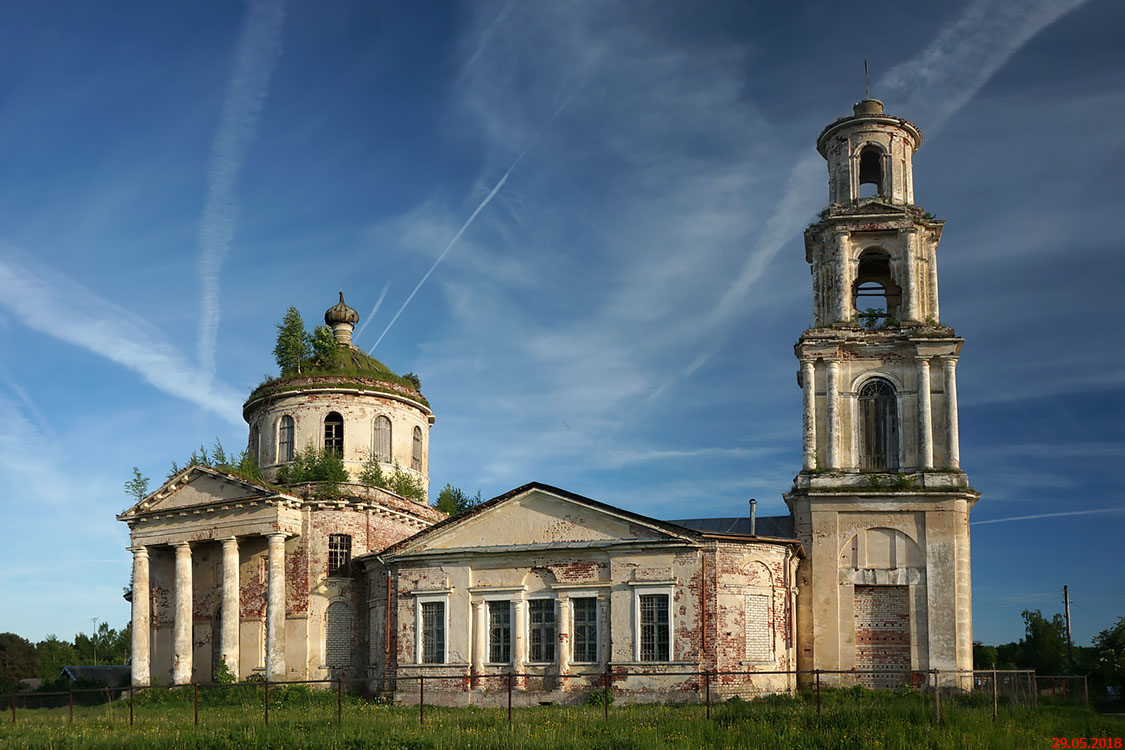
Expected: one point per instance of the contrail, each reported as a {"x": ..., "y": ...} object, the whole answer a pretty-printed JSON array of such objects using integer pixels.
[
  {"x": 378, "y": 304},
  {"x": 1049, "y": 515},
  {"x": 259, "y": 47},
  {"x": 487, "y": 199}
]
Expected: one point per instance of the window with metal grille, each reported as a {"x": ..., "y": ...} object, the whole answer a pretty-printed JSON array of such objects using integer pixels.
[
  {"x": 285, "y": 439},
  {"x": 339, "y": 554},
  {"x": 338, "y": 636},
  {"x": 584, "y": 634},
  {"x": 499, "y": 632},
  {"x": 381, "y": 441},
  {"x": 541, "y": 629},
  {"x": 878, "y": 408},
  {"x": 334, "y": 434},
  {"x": 416, "y": 456},
  {"x": 433, "y": 632},
  {"x": 654, "y": 627}
]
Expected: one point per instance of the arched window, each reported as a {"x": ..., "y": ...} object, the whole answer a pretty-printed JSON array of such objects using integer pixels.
[
  {"x": 416, "y": 454},
  {"x": 338, "y": 636},
  {"x": 875, "y": 294},
  {"x": 878, "y": 409},
  {"x": 381, "y": 442},
  {"x": 285, "y": 439},
  {"x": 871, "y": 170},
  {"x": 334, "y": 433}
]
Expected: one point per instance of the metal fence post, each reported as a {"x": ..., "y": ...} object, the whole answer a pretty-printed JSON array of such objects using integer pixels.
[
  {"x": 707, "y": 683},
  {"x": 70, "y": 705},
  {"x": 267, "y": 700},
  {"x": 817, "y": 671},
  {"x": 995, "y": 697},
  {"x": 195, "y": 685},
  {"x": 1034, "y": 690},
  {"x": 605, "y": 694},
  {"x": 130, "y": 704},
  {"x": 421, "y": 700},
  {"x": 13, "y": 698},
  {"x": 339, "y": 699},
  {"x": 1086, "y": 690},
  {"x": 509, "y": 698},
  {"x": 937, "y": 696}
]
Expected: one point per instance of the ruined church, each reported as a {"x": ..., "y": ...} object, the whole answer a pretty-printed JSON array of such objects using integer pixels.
[{"x": 869, "y": 571}]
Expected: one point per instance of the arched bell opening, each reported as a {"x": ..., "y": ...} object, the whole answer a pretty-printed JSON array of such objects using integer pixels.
[
  {"x": 875, "y": 294},
  {"x": 871, "y": 172}
]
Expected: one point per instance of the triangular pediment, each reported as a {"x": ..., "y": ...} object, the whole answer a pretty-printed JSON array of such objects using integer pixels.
[
  {"x": 199, "y": 486},
  {"x": 538, "y": 516}
]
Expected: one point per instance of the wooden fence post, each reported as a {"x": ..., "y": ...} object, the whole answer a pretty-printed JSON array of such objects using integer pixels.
[
  {"x": 995, "y": 697},
  {"x": 195, "y": 685},
  {"x": 267, "y": 700},
  {"x": 339, "y": 699},
  {"x": 421, "y": 700}
]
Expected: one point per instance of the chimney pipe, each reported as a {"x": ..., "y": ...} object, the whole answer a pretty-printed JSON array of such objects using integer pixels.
[{"x": 753, "y": 517}]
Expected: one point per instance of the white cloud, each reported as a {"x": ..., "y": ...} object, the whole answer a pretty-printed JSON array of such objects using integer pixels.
[
  {"x": 62, "y": 308},
  {"x": 259, "y": 47}
]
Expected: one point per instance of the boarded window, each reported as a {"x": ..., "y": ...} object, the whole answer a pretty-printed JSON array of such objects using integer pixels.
[
  {"x": 255, "y": 443},
  {"x": 585, "y": 630},
  {"x": 334, "y": 433},
  {"x": 759, "y": 634},
  {"x": 416, "y": 454},
  {"x": 381, "y": 441},
  {"x": 878, "y": 409},
  {"x": 499, "y": 632},
  {"x": 882, "y": 635},
  {"x": 338, "y": 636},
  {"x": 541, "y": 629},
  {"x": 654, "y": 627},
  {"x": 285, "y": 440},
  {"x": 339, "y": 554},
  {"x": 433, "y": 632}
]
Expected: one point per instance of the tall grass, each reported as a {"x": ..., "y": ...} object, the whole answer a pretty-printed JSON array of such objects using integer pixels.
[{"x": 299, "y": 718}]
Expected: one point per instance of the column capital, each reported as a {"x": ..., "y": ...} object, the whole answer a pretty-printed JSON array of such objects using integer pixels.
[
  {"x": 923, "y": 359},
  {"x": 948, "y": 359},
  {"x": 138, "y": 550},
  {"x": 833, "y": 362},
  {"x": 182, "y": 546}
]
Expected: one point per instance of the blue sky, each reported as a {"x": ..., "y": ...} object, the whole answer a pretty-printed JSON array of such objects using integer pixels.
[{"x": 617, "y": 318}]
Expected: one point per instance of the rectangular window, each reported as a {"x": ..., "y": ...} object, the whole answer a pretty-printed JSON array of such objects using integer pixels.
[
  {"x": 339, "y": 554},
  {"x": 541, "y": 630},
  {"x": 433, "y": 632},
  {"x": 285, "y": 440},
  {"x": 500, "y": 632},
  {"x": 654, "y": 627},
  {"x": 584, "y": 634}
]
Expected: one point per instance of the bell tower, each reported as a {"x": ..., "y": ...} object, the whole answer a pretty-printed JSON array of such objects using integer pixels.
[{"x": 881, "y": 503}]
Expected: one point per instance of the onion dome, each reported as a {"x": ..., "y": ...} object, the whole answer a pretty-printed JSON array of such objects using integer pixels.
[
  {"x": 341, "y": 319},
  {"x": 340, "y": 313}
]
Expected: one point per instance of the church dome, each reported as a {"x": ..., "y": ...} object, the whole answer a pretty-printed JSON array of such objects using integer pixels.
[{"x": 340, "y": 313}]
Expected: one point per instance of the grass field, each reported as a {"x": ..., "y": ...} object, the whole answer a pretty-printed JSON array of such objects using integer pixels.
[{"x": 302, "y": 719}]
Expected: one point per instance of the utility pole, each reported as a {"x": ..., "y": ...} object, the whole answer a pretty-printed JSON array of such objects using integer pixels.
[
  {"x": 1069, "y": 640},
  {"x": 94, "y": 639}
]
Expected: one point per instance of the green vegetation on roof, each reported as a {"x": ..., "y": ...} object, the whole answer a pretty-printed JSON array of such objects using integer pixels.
[{"x": 316, "y": 360}]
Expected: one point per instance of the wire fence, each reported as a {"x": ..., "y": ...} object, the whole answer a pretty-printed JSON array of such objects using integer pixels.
[{"x": 505, "y": 690}]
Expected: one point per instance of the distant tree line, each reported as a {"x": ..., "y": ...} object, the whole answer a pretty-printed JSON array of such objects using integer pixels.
[
  {"x": 1044, "y": 648},
  {"x": 21, "y": 659}
]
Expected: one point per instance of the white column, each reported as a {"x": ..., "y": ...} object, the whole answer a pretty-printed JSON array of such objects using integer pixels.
[
  {"x": 232, "y": 614},
  {"x": 808, "y": 414},
  {"x": 832, "y": 396},
  {"x": 932, "y": 273},
  {"x": 910, "y": 272},
  {"x": 480, "y": 637},
  {"x": 142, "y": 616},
  {"x": 925, "y": 417},
  {"x": 275, "y": 608},
  {"x": 182, "y": 626},
  {"x": 519, "y": 635},
  {"x": 843, "y": 279},
  {"x": 949, "y": 371},
  {"x": 564, "y": 645}
]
